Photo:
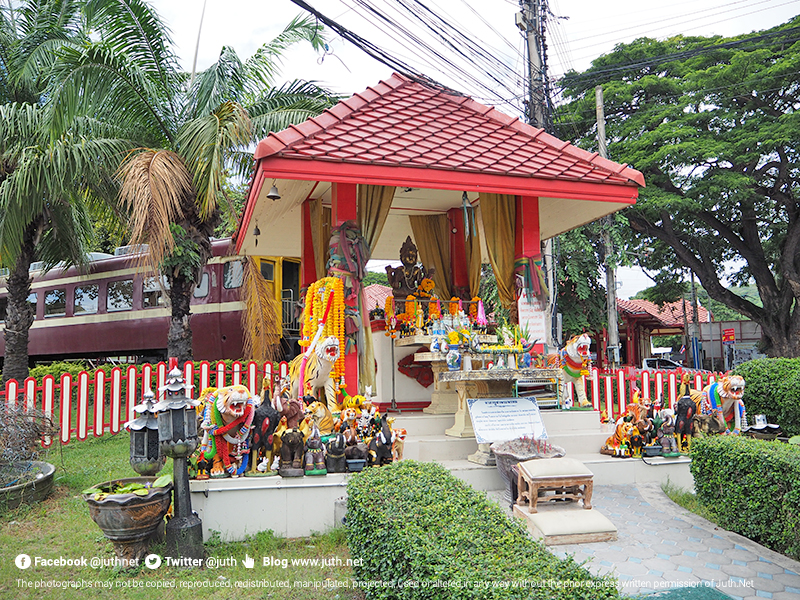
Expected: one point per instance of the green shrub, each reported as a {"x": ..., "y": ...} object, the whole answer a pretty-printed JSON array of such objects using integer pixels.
[
  {"x": 772, "y": 388},
  {"x": 413, "y": 526},
  {"x": 753, "y": 488}
]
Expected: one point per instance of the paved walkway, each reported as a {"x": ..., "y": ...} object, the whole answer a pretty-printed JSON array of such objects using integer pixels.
[{"x": 661, "y": 546}]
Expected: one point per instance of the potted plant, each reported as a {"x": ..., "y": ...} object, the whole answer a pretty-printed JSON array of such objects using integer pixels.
[
  {"x": 129, "y": 512},
  {"x": 23, "y": 478}
]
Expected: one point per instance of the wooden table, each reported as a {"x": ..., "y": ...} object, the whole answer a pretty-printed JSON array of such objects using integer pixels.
[{"x": 566, "y": 478}]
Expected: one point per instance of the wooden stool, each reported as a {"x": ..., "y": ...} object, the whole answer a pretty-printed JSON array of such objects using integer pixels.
[{"x": 567, "y": 478}]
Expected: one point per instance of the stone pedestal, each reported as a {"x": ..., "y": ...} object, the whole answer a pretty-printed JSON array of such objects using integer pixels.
[{"x": 444, "y": 399}]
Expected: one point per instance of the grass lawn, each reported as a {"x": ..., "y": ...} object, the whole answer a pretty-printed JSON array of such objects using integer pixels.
[
  {"x": 686, "y": 499},
  {"x": 61, "y": 527}
]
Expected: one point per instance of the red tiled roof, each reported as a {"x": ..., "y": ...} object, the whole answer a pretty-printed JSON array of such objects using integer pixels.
[
  {"x": 403, "y": 123},
  {"x": 375, "y": 295},
  {"x": 670, "y": 315}
]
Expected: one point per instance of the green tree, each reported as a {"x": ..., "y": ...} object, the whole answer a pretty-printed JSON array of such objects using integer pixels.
[
  {"x": 713, "y": 125},
  {"x": 193, "y": 133},
  {"x": 47, "y": 182}
]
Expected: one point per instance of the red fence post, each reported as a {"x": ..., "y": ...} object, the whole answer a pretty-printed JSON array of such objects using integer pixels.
[
  {"x": 115, "y": 403},
  {"x": 66, "y": 407}
]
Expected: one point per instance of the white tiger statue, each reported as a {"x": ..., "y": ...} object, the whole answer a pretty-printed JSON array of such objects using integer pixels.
[{"x": 575, "y": 363}]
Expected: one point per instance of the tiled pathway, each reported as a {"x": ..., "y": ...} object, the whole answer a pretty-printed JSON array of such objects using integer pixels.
[{"x": 661, "y": 546}]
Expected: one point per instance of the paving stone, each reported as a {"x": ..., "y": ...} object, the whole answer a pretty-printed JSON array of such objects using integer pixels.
[
  {"x": 718, "y": 542},
  {"x": 684, "y": 560},
  {"x": 632, "y": 569},
  {"x": 763, "y": 594},
  {"x": 768, "y": 585},
  {"x": 706, "y": 574},
  {"x": 790, "y": 581},
  {"x": 785, "y": 595},
  {"x": 767, "y": 567},
  {"x": 739, "y": 553},
  {"x": 739, "y": 571}
]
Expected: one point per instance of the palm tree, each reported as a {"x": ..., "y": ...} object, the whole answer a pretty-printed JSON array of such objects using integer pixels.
[
  {"x": 47, "y": 184},
  {"x": 192, "y": 134}
]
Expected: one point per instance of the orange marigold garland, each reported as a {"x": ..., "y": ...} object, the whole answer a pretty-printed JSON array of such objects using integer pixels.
[
  {"x": 434, "y": 309},
  {"x": 452, "y": 307},
  {"x": 473, "y": 309},
  {"x": 391, "y": 321},
  {"x": 316, "y": 301}
]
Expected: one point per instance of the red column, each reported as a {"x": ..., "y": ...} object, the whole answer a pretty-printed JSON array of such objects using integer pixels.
[
  {"x": 344, "y": 207},
  {"x": 458, "y": 254},
  {"x": 344, "y": 203},
  {"x": 308, "y": 267},
  {"x": 527, "y": 241}
]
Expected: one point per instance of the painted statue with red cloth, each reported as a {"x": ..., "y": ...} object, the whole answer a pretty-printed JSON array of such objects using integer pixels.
[{"x": 227, "y": 420}]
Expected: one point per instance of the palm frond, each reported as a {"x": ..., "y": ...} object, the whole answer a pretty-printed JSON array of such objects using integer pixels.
[
  {"x": 292, "y": 103},
  {"x": 206, "y": 142},
  {"x": 134, "y": 28},
  {"x": 264, "y": 65},
  {"x": 95, "y": 80},
  {"x": 222, "y": 81},
  {"x": 155, "y": 184},
  {"x": 261, "y": 324}
]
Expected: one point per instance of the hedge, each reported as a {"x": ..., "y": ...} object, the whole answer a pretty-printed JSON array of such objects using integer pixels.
[
  {"x": 752, "y": 487},
  {"x": 418, "y": 532},
  {"x": 772, "y": 388}
]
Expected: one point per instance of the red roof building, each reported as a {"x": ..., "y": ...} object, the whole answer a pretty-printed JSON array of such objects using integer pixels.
[
  {"x": 639, "y": 320},
  {"x": 436, "y": 153}
]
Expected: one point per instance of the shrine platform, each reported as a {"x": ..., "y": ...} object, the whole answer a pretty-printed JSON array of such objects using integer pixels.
[{"x": 297, "y": 507}]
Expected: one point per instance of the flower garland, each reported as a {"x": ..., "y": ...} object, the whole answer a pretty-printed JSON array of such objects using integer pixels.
[
  {"x": 316, "y": 301},
  {"x": 391, "y": 321},
  {"x": 452, "y": 307},
  {"x": 425, "y": 287},
  {"x": 473, "y": 309},
  {"x": 434, "y": 309}
]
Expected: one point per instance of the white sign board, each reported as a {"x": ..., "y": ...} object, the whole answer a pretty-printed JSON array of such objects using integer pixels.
[
  {"x": 532, "y": 317},
  {"x": 503, "y": 419}
]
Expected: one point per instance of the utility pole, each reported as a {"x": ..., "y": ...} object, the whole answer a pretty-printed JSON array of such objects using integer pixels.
[
  {"x": 697, "y": 360},
  {"x": 611, "y": 272},
  {"x": 530, "y": 20}
]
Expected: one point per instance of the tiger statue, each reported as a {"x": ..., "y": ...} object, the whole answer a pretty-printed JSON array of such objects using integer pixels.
[
  {"x": 724, "y": 398},
  {"x": 620, "y": 439},
  {"x": 317, "y": 375},
  {"x": 321, "y": 417},
  {"x": 227, "y": 420},
  {"x": 575, "y": 364}
]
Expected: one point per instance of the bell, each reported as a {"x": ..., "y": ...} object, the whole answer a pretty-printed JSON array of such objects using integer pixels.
[{"x": 273, "y": 193}]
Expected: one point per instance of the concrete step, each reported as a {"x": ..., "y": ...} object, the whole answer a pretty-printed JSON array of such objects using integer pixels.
[
  {"x": 562, "y": 421},
  {"x": 420, "y": 424},
  {"x": 608, "y": 470},
  {"x": 577, "y": 441},
  {"x": 438, "y": 447},
  {"x": 481, "y": 478}
]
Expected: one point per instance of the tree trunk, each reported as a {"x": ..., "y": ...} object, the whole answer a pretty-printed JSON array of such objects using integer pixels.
[
  {"x": 179, "y": 339},
  {"x": 19, "y": 314}
]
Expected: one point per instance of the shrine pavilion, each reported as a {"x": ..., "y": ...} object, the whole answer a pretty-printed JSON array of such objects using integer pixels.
[{"x": 405, "y": 158}]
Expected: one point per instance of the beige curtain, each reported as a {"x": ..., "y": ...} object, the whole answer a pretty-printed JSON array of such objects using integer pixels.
[
  {"x": 498, "y": 212},
  {"x": 320, "y": 235},
  {"x": 374, "y": 202},
  {"x": 432, "y": 236}
]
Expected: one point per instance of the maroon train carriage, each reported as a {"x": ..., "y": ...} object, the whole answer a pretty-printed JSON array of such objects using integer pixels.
[{"x": 112, "y": 310}]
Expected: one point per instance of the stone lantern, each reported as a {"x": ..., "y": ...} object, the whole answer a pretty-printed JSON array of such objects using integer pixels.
[
  {"x": 146, "y": 456},
  {"x": 177, "y": 434}
]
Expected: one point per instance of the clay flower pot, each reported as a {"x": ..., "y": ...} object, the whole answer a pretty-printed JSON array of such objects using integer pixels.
[
  {"x": 35, "y": 483},
  {"x": 130, "y": 520}
]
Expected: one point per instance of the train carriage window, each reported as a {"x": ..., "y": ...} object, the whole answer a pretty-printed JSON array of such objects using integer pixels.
[
  {"x": 86, "y": 299},
  {"x": 202, "y": 288},
  {"x": 151, "y": 293},
  {"x": 3, "y": 309},
  {"x": 233, "y": 274},
  {"x": 120, "y": 295},
  {"x": 55, "y": 303},
  {"x": 33, "y": 300}
]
